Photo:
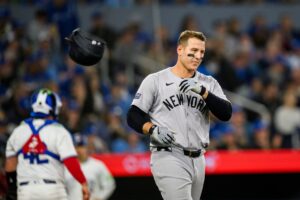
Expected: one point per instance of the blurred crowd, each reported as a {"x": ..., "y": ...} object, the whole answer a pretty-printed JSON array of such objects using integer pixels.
[
  {"x": 121, "y": 3},
  {"x": 261, "y": 63}
]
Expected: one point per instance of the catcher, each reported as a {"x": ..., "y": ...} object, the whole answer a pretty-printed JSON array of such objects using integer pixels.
[{"x": 37, "y": 151}]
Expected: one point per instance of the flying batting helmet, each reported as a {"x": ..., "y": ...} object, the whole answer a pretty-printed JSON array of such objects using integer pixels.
[
  {"x": 45, "y": 103},
  {"x": 84, "y": 48}
]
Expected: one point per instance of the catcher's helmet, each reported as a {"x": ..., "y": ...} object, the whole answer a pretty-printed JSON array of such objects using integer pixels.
[
  {"x": 45, "y": 103},
  {"x": 84, "y": 48}
]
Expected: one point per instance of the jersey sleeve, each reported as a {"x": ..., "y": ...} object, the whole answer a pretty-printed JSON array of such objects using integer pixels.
[
  {"x": 217, "y": 90},
  {"x": 65, "y": 145},
  {"x": 10, "y": 147},
  {"x": 146, "y": 93}
]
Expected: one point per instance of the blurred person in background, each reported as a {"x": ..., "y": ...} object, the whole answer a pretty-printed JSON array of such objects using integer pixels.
[
  {"x": 288, "y": 31},
  {"x": 96, "y": 97},
  {"x": 234, "y": 27},
  {"x": 40, "y": 29},
  {"x": 287, "y": 118},
  {"x": 97, "y": 134},
  {"x": 260, "y": 138},
  {"x": 38, "y": 70},
  {"x": 17, "y": 104},
  {"x": 119, "y": 100},
  {"x": 78, "y": 91},
  {"x": 132, "y": 43},
  {"x": 163, "y": 43},
  {"x": 4, "y": 135},
  {"x": 101, "y": 182},
  {"x": 116, "y": 125},
  {"x": 228, "y": 139},
  {"x": 64, "y": 14},
  {"x": 241, "y": 126},
  {"x": 67, "y": 71},
  {"x": 132, "y": 143},
  {"x": 102, "y": 30},
  {"x": 189, "y": 22},
  {"x": 259, "y": 31},
  {"x": 72, "y": 115},
  {"x": 8, "y": 74},
  {"x": 270, "y": 98}
]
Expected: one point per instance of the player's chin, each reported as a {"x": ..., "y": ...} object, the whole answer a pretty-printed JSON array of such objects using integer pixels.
[{"x": 193, "y": 67}]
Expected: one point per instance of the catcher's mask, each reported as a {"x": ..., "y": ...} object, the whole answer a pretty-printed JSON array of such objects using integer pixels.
[{"x": 84, "y": 48}]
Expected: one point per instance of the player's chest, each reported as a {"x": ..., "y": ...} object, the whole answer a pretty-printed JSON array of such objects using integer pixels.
[{"x": 170, "y": 98}]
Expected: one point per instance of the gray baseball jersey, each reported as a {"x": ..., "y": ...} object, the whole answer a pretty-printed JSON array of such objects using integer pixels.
[{"x": 185, "y": 114}]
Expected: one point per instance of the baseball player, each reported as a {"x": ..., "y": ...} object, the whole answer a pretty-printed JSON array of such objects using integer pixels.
[
  {"x": 173, "y": 107},
  {"x": 101, "y": 182},
  {"x": 36, "y": 152}
]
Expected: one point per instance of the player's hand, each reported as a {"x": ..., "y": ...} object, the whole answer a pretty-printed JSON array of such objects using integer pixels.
[
  {"x": 190, "y": 84},
  {"x": 85, "y": 192},
  {"x": 162, "y": 135}
]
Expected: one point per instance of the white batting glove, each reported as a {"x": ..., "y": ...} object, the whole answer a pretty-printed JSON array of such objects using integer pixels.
[
  {"x": 162, "y": 135},
  {"x": 190, "y": 84}
]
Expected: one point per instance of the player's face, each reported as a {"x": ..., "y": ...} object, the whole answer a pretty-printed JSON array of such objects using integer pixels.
[
  {"x": 191, "y": 54},
  {"x": 82, "y": 153}
]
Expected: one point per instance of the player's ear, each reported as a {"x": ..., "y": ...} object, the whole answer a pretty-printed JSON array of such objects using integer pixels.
[{"x": 179, "y": 50}]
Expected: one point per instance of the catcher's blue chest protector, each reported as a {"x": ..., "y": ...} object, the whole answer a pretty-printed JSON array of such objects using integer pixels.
[{"x": 35, "y": 147}]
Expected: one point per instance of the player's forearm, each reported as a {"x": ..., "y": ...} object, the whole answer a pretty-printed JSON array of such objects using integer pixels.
[
  {"x": 11, "y": 177},
  {"x": 73, "y": 166},
  {"x": 11, "y": 164},
  {"x": 219, "y": 107}
]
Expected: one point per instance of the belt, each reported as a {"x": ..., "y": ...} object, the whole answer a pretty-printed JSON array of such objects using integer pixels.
[
  {"x": 190, "y": 153},
  {"x": 46, "y": 181}
]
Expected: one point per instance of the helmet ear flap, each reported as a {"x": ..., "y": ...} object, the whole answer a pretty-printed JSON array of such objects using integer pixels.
[{"x": 53, "y": 110}]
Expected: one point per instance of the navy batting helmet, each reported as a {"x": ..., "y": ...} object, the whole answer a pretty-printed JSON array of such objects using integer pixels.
[{"x": 84, "y": 48}]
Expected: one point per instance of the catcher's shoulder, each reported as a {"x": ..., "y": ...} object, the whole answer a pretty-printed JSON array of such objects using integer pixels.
[{"x": 59, "y": 127}]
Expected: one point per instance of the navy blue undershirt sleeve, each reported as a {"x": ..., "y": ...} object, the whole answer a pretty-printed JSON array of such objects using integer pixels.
[
  {"x": 136, "y": 118},
  {"x": 219, "y": 107}
]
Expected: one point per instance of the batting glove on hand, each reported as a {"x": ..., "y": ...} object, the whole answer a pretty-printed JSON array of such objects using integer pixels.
[
  {"x": 190, "y": 84},
  {"x": 162, "y": 135}
]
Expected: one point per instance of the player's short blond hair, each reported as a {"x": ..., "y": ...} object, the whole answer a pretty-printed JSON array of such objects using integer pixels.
[{"x": 187, "y": 34}]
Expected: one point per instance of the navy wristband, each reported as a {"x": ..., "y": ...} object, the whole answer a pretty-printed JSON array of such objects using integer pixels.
[
  {"x": 203, "y": 90},
  {"x": 151, "y": 129}
]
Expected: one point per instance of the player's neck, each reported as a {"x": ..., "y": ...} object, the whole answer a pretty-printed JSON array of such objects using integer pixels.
[
  {"x": 182, "y": 72},
  {"x": 45, "y": 118},
  {"x": 82, "y": 159}
]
